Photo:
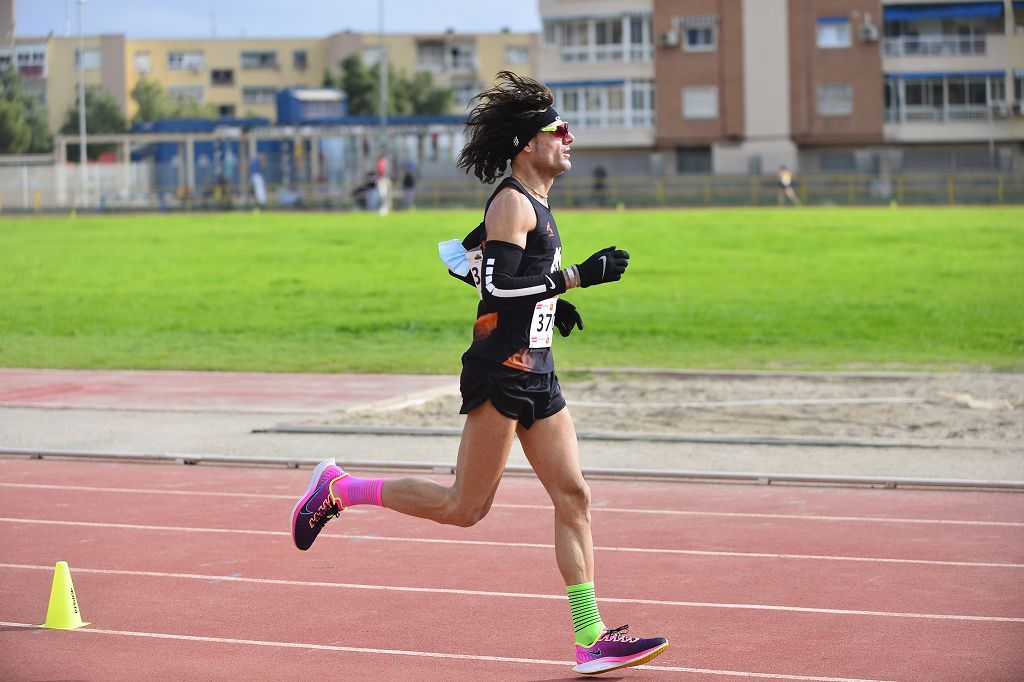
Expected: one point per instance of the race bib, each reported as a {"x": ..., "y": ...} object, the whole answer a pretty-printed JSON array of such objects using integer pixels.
[
  {"x": 475, "y": 258},
  {"x": 543, "y": 323}
]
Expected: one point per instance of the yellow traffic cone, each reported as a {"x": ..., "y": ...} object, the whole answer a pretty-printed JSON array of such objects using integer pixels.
[{"x": 63, "y": 612}]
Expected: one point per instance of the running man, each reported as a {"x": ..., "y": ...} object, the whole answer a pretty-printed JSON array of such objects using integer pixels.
[{"x": 508, "y": 382}]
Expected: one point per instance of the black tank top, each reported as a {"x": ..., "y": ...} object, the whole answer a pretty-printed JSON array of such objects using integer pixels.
[{"x": 504, "y": 336}]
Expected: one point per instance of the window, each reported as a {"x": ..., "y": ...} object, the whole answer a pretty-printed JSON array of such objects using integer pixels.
[
  {"x": 700, "y": 39},
  {"x": 430, "y": 55},
  {"x": 833, "y": 32},
  {"x": 838, "y": 162},
  {"x": 624, "y": 104},
  {"x": 464, "y": 92},
  {"x": 622, "y": 38},
  {"x": 462, "y": 56},
  {"x": 259, "y": 95},
  {"x": 300, "y": 60},
  {"x": 31, "y": 60},
  {"x": 835, "y": 100},
  {"x": 700, "y": 101},
  {"x": 259, "y": 60},
  {"x": 226, "y": 110},
  {"x": 222, "y": 77},
  {"x": 693, "y": 159},
  {"x": 517, "y": 54},
  {"x": 142, "y": 65},
  {"x": 185, "y": 61},
  {"x": 189, "y": 92},
  {"x": 608, "y": 32},
  {"x": 1018, "y": 86},
  {"x": 90, "y": 59},
  {"x": 608, "y": 40}
]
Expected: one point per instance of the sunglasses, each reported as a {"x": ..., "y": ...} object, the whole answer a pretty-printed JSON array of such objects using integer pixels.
[{"x": 559, "y": 129}]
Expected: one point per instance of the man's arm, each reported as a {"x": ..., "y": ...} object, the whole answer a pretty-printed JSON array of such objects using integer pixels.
[{"x": 509, "y": 220}]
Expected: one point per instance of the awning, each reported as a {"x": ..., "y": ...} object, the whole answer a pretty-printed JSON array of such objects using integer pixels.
[
  {"x": 833, "y": 20},
  {"x": 584, "y": 84},
  {"x": 954, "y": 10},
  {"x": 919, "y": 75},
  {"x": 703, "y": 20},
  {"x": 1018, "y": 4}
]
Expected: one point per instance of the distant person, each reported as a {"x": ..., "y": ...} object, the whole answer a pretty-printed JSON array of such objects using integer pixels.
[
  {"x": 383, "y": 186},
  {"x": 365, "y": 195},
  {"x": 259, "y": 187},
  {"x": 786, "y": 187},
  {"x": 409, "y": 185},
  {"x": 508, "y": 383},
  {"x": 600, "y": 186}
]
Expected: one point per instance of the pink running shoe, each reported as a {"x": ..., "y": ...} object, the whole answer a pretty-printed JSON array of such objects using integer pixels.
[
  {"x": 318, "y": 506},
  {"x": 614, "y": 649}
]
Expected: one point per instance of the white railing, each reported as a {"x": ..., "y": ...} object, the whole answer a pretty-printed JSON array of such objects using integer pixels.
[
  {"x": 935, "y": 45},
  {"x": 928, "y": 114},
  {"x": 615, "y": 53}
]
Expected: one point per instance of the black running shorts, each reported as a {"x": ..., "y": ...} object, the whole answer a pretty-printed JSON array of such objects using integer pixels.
[{"x": 525, "y": 396}]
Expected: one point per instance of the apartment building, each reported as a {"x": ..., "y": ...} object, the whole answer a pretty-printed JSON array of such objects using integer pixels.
[
  {"x": 241, "y": 77},
  {"x": 952, "y": 84},
  {"x": 744, "y": 86},
  {"x": 465, "y": 62},
  {"x": 597, "y": 56}
]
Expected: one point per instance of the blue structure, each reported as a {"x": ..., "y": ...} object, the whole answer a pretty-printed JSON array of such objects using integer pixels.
[
  {"x": 215, "y": 162},
  {"x": 310, "y": 106}
]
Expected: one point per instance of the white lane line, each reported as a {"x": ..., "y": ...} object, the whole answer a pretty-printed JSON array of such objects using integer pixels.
[
  {"x": 545, "y": 507},
  {"x": 793, "y": 517},
  {"x": 518, "y": 595},
  {"x": 526, "y": 545},
  {"x": 769, "y": 402},
  {"x": 432, "y": 654}
]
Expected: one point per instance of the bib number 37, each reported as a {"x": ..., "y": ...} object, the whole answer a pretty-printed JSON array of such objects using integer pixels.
[{"x": 542, "y": 324}]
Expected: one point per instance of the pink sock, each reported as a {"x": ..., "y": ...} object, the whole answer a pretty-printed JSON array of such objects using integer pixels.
[{"x": 354, "y": 490}]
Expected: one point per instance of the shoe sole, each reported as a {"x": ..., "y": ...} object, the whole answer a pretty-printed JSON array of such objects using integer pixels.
[
  {"x": 597, "y": 668},
  {"x": 314, "y": 478}
]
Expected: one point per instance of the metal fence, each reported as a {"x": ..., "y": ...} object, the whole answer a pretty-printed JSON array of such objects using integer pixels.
[{"x": 134, "y": 186}]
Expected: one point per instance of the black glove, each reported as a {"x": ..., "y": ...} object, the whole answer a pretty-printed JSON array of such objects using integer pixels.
[
  {"x": 607, "y": 265},
  {"x": 566, "y": 317}
]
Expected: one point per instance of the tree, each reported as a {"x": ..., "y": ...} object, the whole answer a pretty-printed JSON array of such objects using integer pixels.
[
  {"x": 149, "y": 97},
  {"x": 420, "y": 95},
  {"x": 427, "y": 98},
  {"x": 23, "y": 122},
  {"x": 155, "y": 104},
  {"x": 102, "y": 115},
  {"x": 360, "y": 87}
]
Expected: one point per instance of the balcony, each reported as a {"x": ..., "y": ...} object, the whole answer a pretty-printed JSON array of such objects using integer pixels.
[
  {"x": 931, "y": 114},
  {"x": 936, "y": 45},
  {"x": 32, "y": 70}
]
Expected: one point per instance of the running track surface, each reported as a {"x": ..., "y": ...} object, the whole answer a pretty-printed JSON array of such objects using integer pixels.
[{"x": 189, "y": 573}]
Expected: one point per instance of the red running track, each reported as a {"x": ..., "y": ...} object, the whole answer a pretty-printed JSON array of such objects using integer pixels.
[{"x": 189, "y": 573}]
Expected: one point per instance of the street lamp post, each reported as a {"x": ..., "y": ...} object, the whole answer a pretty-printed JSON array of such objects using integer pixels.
[
  {"x": 382, "y": 64},
  {"x": 83, "y": 157}
]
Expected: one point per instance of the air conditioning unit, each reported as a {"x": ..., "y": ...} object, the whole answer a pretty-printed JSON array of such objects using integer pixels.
[
  {"x": 869, "y": 33},
  {"x": 1001, "y": 109},
  {"x": 670, "y": 39}
]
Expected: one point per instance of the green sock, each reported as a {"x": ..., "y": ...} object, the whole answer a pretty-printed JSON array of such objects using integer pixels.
[{"x": 586, "y": 620}]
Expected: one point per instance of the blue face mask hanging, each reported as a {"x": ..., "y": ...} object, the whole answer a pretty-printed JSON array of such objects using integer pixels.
[{"x": 453, "y": 253}]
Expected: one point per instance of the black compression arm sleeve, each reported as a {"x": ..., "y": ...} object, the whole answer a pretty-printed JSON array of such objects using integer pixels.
[{"x": 502, "y": 289}]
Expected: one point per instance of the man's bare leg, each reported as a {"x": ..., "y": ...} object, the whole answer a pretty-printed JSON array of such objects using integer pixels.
[
  {"x": 553, "y": 452},
  {"x": 483, "y": 451}
]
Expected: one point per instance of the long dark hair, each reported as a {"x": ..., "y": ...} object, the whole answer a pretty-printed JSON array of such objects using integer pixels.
[{"x": 495, "y": 121}]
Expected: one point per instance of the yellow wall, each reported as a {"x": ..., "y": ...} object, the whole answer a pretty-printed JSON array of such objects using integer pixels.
[
  {"x": 227, "y": 54},
  {"x": 62, "y": 77}
]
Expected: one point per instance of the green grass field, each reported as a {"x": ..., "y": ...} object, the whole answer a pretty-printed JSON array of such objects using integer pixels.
[{"x": 758, "y": 288}]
